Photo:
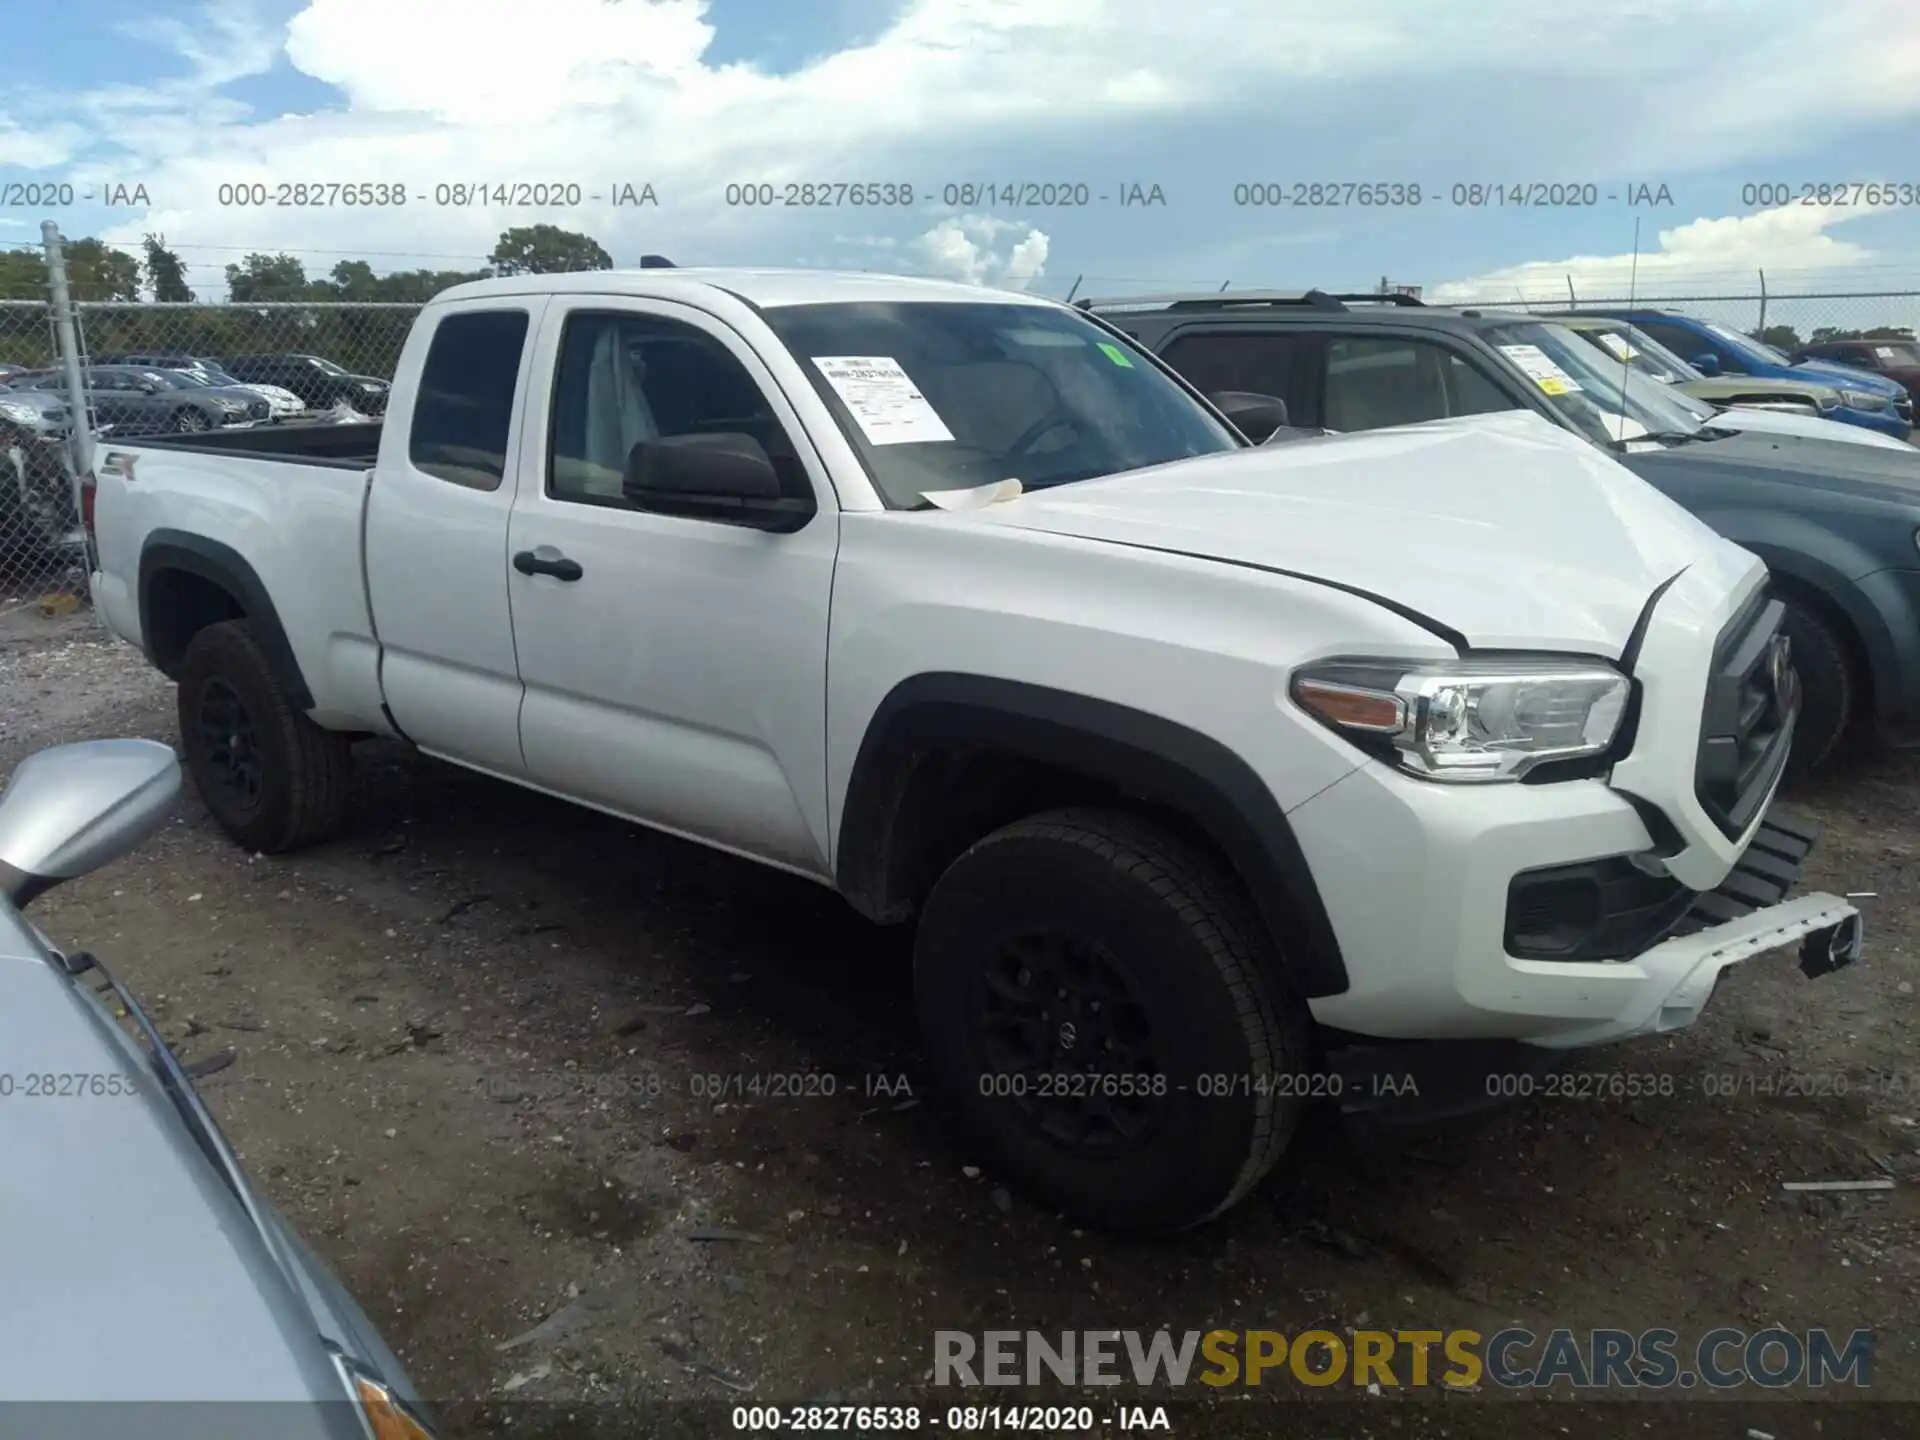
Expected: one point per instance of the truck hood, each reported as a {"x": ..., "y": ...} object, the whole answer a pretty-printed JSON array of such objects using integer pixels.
[
  {"x": 1502, "y": 529},
  {"x": 1803, "y": 461}
]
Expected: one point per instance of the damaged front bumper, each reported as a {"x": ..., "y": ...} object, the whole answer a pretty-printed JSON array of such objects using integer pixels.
[{"x": 1742, "y": 917}]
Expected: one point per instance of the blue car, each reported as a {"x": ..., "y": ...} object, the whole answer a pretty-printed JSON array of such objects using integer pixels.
[{"x": 1714, "y": 349}]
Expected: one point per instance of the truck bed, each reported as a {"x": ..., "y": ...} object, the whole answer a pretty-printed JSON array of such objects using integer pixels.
[{"x": 346, "y": 447}]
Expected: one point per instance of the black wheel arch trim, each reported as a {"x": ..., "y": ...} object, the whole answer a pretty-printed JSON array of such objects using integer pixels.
[
  {"x": 226, "y": 567},
  {"x": 1148, "y": 756}
]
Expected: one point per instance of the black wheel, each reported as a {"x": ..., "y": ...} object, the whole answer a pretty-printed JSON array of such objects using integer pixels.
[
  {"x": 1827, "y": 687},
  {"x": 273, "y": 779},
  {"x": 1104, "y": 1013},
  {"x": 188, "y": 421}
]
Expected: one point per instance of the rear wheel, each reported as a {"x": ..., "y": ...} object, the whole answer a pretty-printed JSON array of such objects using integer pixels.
[
  {"x": 273, "y": 779},
  {"x": 1103, "y": 1011},
  {"x": 1828, "y": 687}
]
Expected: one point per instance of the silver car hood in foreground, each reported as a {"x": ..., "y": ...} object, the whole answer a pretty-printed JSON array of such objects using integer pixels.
[{"x": 133, "y": 1271}]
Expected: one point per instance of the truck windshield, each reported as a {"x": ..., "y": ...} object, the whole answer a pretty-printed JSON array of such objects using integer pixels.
[
  {"x": 936, "y": 396},
  {"x": 1604, "y": 399}
]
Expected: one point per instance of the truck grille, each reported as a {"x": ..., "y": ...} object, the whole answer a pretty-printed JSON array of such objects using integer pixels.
[{"x": 1746, "y": 726}]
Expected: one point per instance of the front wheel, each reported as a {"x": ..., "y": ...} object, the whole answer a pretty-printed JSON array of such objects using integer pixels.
[
  {"x": 1105, "y": 1014},
  {"x": 189, "y": 421}
]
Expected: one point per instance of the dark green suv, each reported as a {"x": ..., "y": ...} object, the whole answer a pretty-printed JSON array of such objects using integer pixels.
[{"x": 1838, "y": 525}]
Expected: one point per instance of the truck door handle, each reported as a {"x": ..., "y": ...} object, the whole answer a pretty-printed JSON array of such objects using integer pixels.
[{"x": 529, "y": 562}]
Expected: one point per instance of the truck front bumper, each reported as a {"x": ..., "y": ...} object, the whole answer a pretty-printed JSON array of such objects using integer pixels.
[
  {"x": 1420, "y": 884},
  {"x": 1419, "y": 1082}
]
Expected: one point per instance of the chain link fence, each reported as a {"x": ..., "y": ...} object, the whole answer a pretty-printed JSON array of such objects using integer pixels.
[{"x": 165, "y": 369}]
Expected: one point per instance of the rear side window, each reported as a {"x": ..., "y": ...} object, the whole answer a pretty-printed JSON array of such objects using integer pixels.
[
  {"x": 463, "y": 409},
  {"x": 1260, "y": 364}
]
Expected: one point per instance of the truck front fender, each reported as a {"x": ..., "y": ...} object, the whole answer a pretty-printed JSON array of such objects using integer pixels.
[{"x": 931, "y": 727}]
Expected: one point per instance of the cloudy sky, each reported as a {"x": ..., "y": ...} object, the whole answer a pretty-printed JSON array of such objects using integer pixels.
[{"x": 1704, "y": 97}]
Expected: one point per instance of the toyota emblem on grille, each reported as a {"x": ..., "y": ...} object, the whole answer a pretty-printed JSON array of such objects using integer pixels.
[{"x": 1780, "y": 667}]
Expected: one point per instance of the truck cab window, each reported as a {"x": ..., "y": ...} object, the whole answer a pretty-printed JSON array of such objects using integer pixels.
[
  {"x": 464, "y": 407},
  {"x": 624, "y": 378}
]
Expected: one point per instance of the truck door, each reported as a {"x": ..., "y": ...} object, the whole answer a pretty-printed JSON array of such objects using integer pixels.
[
  {"x": 436, "y": 531},
  {"x": 675, "y": 666}
]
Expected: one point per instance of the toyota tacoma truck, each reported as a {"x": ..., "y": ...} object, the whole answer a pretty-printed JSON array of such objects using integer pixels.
[{"x": 1218, "y": 780}]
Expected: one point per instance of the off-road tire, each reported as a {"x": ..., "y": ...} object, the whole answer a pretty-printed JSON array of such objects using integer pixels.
[
  {"x": 306, "y": 772},
  {"x": 1237, "y": 1043}
]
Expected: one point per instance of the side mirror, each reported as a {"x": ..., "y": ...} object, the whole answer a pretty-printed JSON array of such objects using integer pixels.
[
  {"x": 147, "y": 387},
  {"x": 71, "y": 809},
  {"x": 1254, "y": 416},
  {"x": 1707, "y": 364},
  {"x": 726, "y": 477}
]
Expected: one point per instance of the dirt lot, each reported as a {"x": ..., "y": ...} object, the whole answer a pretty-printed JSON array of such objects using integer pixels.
[{"x": 468, "y": 1047}]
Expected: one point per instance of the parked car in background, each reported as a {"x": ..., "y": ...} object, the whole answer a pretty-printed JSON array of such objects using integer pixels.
[
  {"x": 38, "y": 520},
  {"x": 1773, "y": 407},
  {"x": 152, "y": 402},
  {"x": 10, "y": 370},
  {"x": 965, "y": 606},
  {"x": 319, "y": 383},
  {"x": 160, "y": 1281},
  {"x": 259, "y": 405},
  {"x": 1715, "y": 349},
  {"x": 1895, "y": 359},
  {"x": 1836, "y": 524},
  {"x": 282, "y": 404}
]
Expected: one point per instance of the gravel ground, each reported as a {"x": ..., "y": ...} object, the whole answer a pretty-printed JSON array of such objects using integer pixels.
[{"x": 468, "y": 1046}]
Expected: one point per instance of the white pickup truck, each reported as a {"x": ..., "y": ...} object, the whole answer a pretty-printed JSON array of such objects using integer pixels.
[{"x": 1219, "y": 779}]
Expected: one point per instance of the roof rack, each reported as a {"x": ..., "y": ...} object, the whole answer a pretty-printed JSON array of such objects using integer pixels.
[{"x": 1246, "y": 300}]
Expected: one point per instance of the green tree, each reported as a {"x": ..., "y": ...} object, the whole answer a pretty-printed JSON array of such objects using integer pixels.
[
  {"x": 166, "y": 276},
  {"x": 23, "y": 275},
  {"x": 419, "y": 286},
  {"x": 348, "y": 280},
  {"x": 1783, "y": 338},
  {"x": 97, "y": 271},
  {"x": 267, "y": 277},
  {"x": 547, "y": 250}
]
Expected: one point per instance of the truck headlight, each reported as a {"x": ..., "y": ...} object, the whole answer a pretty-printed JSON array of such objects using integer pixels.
[
  {"x": 1468, "y": 720},
  {"x": 1864, "y": 399},
  {"x": 19, "y": 414}
]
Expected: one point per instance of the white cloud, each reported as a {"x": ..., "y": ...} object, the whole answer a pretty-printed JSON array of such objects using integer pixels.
[
  {"x": 490, "y": 65},
  {"x": 1790, "y": 240},
  {"x": 603, "y": 91},
  {"x": 979, "y": 250},
  {"x": 42, "y": 148}
]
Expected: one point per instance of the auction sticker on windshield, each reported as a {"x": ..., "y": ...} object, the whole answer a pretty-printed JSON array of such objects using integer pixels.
[
  {"x": 883, "y": 400},
  {"x": 1543, "y": 372}
]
